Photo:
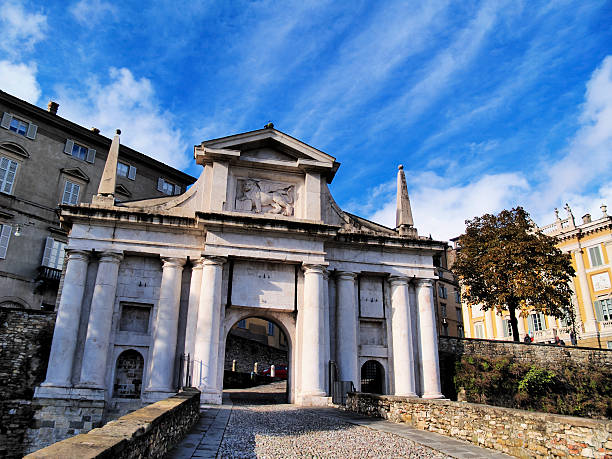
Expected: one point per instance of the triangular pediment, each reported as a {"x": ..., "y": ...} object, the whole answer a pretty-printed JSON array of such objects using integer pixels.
[
  {"x": 267, "y": 146},
  {"x": 122, "y": 190},
  {"x": 77, "y": 173}
]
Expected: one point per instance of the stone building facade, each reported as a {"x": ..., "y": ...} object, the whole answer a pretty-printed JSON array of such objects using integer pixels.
[
  {"x": 258, "y": 235},
  {"x": 46, "y": 160}
]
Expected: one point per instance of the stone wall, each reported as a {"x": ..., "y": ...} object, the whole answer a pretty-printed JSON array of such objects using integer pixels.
[
  {"x": 516, "y": 432},
  {"x": 246, "y": 352},
  {"x": 547, "y": 356},
  {"x": 25, "y": 343},
  {"x": 148, "y": 432}
]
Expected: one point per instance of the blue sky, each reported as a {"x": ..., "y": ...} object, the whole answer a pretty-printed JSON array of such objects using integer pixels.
[{"x": 487, "y": 104}]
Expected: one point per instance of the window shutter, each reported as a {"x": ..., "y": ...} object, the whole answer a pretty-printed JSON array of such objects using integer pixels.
[
  {"x": 160, "y": 184},
  {"x": 597, "y": 307},
  {"x": 542, "y": 321},
  {"x": 10, "y": 177},
  {"x": 46, "y": 261},
  {"x": 31, "y": 134},
  {"x": 6, "y": 120},
  {"x": 530, "y": 324},
  {"x": 132, "y": 173},
  {"x": 91, "y": 155},
  {"x": 68, "y": 146},
  {"x": 74, "y": 199},
  {"x": 67, "y": 191},
  {"x": 177, "y": 189},
  {"x": 5, "y": 236}
]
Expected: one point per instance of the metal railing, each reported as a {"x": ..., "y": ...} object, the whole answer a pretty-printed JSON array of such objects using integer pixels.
[{"x": 190, "y": 372}]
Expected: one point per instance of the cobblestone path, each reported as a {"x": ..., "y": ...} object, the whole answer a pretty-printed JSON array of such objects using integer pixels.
[{"x": 249, "y": 429}]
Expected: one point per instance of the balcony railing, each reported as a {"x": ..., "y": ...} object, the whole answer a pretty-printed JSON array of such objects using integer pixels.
[
  {"x": 606, "y": 325},
  {"x": 48, "y": 274}
]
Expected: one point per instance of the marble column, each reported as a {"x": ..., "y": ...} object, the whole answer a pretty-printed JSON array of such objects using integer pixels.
[
  {"x": 163, "y": 353},
  {"x": 326, "y": 355},
  {"x": 312, "y": 334},
  {"x": 346, "y": 323},
  {"x": 401, "y": 328},
  {"x": 429, "y": 340},
  {"x": 194, "y": 304},
  {"x": 59, "y": 370},
  {"x": 590, "y": 324},
  {"x": 206, "y": 351},
  {"x": 93, "y": 369}
]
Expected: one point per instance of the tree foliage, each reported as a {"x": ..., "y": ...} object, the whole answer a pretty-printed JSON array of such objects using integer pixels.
[{"x": 505, "y": 265}]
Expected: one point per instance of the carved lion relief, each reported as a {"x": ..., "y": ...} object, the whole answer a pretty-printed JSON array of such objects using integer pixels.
[{"x": 264, "y": 196}]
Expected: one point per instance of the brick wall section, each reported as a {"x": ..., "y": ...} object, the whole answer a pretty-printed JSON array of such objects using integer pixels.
[
  {"x": 247, "y": 352},
  {"x": 25, "y": 343},
  {"x": 516, "y": 432},
  {"x": 148, "y": 432},
  {"x": 544, "y": 355}
]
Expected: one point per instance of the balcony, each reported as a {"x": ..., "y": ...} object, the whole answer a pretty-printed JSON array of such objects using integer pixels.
[
  {"x": 49, "y": 275},
  {"x": 605, "y": 325}
]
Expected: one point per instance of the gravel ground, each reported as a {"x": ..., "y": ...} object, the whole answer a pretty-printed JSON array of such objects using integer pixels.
[{"x": 286, "y": 431}]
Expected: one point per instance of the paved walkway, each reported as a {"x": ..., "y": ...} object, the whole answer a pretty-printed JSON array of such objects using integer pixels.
[{"x": 278, "y": 431}]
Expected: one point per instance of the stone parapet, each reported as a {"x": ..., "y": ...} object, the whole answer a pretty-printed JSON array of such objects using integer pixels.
[
  {"x": 148, "y": 432},
  {"x": 515, "y": 432}
]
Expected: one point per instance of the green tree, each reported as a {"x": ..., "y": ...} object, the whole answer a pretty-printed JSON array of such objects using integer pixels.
[{"x": 506, "y": 265}]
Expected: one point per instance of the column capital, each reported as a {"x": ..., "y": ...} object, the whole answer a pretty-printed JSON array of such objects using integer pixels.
[
  {"x": 198, "y": 263},
  {"x": 213, "y": 260},
  {"x": 578, "y": 250},
  {"x": 346, "y": 275},
  {"x": 398, "y": 280},
  {"x": 76, "y": 254},
  {"x": 424, "y": 283},
  {"x": 313, "y": 269},
  {"x": 111, "y": 257},
  {"x": 172, "y": 262}
]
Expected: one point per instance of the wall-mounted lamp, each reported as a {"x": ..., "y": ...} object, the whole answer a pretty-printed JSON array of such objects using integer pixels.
[{"x": 17, "y": 232}]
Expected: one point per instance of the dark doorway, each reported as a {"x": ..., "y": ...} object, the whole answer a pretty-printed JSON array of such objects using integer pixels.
[{"x": 372, "y": 377}]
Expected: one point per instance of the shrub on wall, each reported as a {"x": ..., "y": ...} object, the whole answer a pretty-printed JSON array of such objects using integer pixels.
[{"x": 573, "y": 390}]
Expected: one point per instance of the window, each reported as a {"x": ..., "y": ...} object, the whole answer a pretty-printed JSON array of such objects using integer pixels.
[
  {"x": 71, "y": 193},
  {"x": 125, "y": 170},
  {"x": 8, "y": 171},
  {"x": 536, "y": 322},
  {"x": 53, "y": 256},
  {"x": 603, "y": 310},
  {"x": 135, "y": 318},
  {"x": 457, "y": 296},
  {"x": 167, "y": 187},
  {"x": 595, "y": 256},
  {"x": 479, "y": 330},
  {"x": 444, "y": 329},
  {"x": 443, "y": 309},
  {"x": 270, "y": 329},
  {"x": 18, "y": 126},
  {"x": 5, "y": 236},
  {"x": 79, "y": 151},
  {"x": 442, "y": 291},
  {"x": 459, "y": 315},
  {"x": 610, "y": 345},
  {"x": 460, "y": 332},
  {"x": 507, "y": 328},
  {"x": 242, "y": 323}
]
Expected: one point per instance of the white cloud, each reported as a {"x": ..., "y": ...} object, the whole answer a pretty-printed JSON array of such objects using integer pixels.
[
  {"x": 129, "y": 104},
  {"x": 20, "y": 80},
  {"x": 580, "y": 177},
  {"x": 90, "y": 12},
  {"x": 21, "y": 30}
]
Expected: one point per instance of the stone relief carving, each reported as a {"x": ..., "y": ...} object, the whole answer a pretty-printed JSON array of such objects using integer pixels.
[{"x": 264, "y": 196}]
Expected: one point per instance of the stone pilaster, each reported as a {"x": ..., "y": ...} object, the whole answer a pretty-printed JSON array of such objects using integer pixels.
[
  {"x": 346, "y": 322},
  {"x": 93, "y": 369},
  {"x": 326, "y": 354},
  {"x": 590, "y": 324},
  {"x": 64, "y": 343},
  {"x": 163, "y": 353},
  {"x": 206, "y": 351},
  {"x": 313, "y": 391},
  {"x": 429, "y": 340},
  {"x": 194, "y": 304},
  {"x": 401, "y": 327}
]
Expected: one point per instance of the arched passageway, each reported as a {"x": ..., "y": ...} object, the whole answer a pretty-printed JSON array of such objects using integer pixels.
[
  {"x": 372, "y": 377},
  {"x": 256, "y": 361}
]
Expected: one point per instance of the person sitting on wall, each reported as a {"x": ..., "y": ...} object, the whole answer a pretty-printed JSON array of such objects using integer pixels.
[
  {"x": 527, "y": 339},
  {"x": 559, "y": 341}
]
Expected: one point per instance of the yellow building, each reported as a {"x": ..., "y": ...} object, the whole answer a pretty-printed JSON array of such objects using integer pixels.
[{"x": 590, "y": 246}]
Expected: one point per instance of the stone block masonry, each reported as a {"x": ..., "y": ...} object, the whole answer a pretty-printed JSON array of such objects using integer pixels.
[
  {"x": 246, "y": 352},
  {"x": 25, "y": 341},
  {"x": 516, "y": 432},
  {"x": 148, "y": 432}
]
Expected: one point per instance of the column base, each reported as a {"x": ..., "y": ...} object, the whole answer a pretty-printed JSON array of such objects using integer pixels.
[
  {"x": 313, "y": 399},
  {"x": 210, "y": 396},
  {"x": 408, "y": 394},
  {"x": 68, "y": 393},
  {"x": 433, "y": 396},
  {"x": 152, "y": 396},
  {"x": 590, "y": 326}
]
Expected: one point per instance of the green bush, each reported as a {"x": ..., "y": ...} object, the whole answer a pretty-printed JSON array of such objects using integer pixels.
[{"x": 537, "y": 381}]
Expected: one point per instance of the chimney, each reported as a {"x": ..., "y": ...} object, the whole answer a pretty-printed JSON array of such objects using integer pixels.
[
  {"x": 95, "y": 130},
  {"x": 586, "y": 218},
  {"x": 52, "y": 107}
]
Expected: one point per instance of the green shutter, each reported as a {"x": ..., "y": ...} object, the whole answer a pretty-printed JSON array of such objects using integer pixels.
[{"x": 598, "y": 314}]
